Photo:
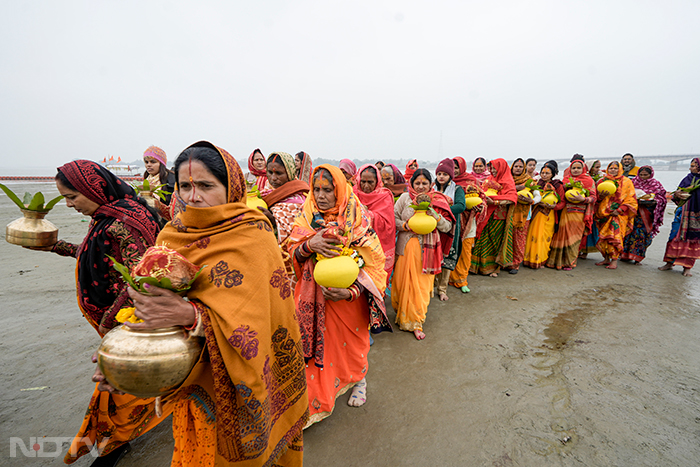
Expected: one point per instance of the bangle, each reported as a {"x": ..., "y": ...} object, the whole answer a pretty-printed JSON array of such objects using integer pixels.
[{"x": 196, "y": 318}]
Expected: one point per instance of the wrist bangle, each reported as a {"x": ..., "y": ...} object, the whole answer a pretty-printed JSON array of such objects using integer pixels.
[{"x": 196, "y": 318}]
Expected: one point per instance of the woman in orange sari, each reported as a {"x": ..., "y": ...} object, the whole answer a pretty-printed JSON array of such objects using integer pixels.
[
  {"x": 575, "y": 220},
  {"x": 614, "y": 215},
  {"x": 419, "y": 257},
  {"x": 522, "y": 212},
  {"x": 379, "y": 201},
  {"x": 334, "y": 321},
  {"x": 544, "y": 218},
  {"x": 245, "y": 400}
]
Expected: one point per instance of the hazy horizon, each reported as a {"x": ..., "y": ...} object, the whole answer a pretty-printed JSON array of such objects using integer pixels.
[{"x": 361, "y": 80}]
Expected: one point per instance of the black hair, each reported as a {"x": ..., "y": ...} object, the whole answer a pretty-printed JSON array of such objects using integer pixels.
[
  {"x": 163, "y": 173},
  {"x": 577, "y": 157},
  {"x": 274, "y": 157},
  {"x": 646, "y": 169},
  {"x": 530, "y": 160},
  {"x": 61, "y": 177},
  {"x": 513, "y": 164},
  {"x": 483, "y": 161},
  {"x": 553, "y": 166},
  {"x": 370, "y": 170},
  {"x": 211, "y": 159},
  {"x": 421, "y": 171}
]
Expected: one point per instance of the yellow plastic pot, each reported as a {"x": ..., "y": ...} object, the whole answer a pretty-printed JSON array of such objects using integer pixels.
[
  {"x": 571, "y": 193},
  {"x": 338, "y": 272},
  {"x": 527, "y": 193},
  {"x": 254, "y": 202},
  {"x": 421, "y": 223},
  {"x": 491, "y": 192},
  {"x": 549, "y": 198},
  {"x": 472, "y": 201},
  {"x": 607, "y": 187}
]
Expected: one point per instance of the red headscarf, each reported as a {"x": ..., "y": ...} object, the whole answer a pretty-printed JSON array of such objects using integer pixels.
[
  {"x": 483, "y": 175},
  {"x": 380, "y": 203},
  {"x": 409, "y": 171},
  {"x": 261, "y": 175},
  {"x": 588, "y": 183},
  {"x": 464, "y": 178},
  {"x": 507, "y": 191}
]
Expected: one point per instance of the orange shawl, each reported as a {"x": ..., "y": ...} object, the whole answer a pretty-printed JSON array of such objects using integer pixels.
[
  {"x": 520, "y": 211},
  {"x": 624, "y": 199},
  {"x": 349, "y": 222},
  {"x": 251, "y": 374}
]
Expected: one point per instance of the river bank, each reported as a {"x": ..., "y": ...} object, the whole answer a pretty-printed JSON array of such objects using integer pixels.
[{"x": 588, "y": 367}]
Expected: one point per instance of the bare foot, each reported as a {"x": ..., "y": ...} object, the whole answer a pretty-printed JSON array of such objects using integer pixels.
[
  {"x": 612, "y": 265},
  {"x": 493, "y": 274},
  {"x": 603, "y": 263},
  {"x": 443, "y": 297},
  {"x": 637, "y": 263},
  {"x": 666, "y": 267},
  {"x": 583, "y": 255},
  {"x": 420, "y": 335},
  {"x": 359, "y": 394},
  {"x": 686, "y": 272}
]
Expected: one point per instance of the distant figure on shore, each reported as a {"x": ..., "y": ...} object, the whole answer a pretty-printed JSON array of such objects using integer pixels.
[
  {"x": 257, "y": 175},
  {"x": 304, "y": 166},
  {"x": 349, "y": 169},
  {"x": 379, "y": 165}
]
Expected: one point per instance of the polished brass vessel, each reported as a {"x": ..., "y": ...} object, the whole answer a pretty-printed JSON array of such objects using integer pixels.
[
  {"x": 31, "y": 230},
  {"x": 148, "y": 197},
  {"x": 148, "y": 362}
]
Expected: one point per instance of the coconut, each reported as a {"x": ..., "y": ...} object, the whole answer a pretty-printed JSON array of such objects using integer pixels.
[{"x": 339, "y": 272}]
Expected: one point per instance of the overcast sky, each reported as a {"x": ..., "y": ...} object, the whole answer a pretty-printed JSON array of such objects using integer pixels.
[{"x": 356, "y": 79}]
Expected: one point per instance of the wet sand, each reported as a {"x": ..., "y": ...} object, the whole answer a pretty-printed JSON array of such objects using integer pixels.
[{"x": 588, "y": 367}]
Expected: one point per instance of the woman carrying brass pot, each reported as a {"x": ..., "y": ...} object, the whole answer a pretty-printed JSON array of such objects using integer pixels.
[{"x": 245, "y": 400}]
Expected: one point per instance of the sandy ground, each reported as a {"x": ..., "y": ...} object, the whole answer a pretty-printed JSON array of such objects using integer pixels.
[{"x": 590, "y": 367}]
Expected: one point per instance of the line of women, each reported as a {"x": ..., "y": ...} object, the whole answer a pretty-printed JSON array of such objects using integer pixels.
[{"x": 280, "y": 348}]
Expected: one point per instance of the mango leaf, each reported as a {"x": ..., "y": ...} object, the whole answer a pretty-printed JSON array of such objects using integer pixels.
[
  {"x": 27, "y": 199},
  {"x": 146, "y": 185},
  {"x": 49, "y": 206},
  {"x": 124, "y": 271},
  {"x": 11, "y": 194},
  {"x": 37, "y": 202}
]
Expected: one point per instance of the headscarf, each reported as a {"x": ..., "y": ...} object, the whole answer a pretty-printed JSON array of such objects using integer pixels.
[
  {"x": 520, "y": 211},
  {"x": 504, "y": 179},
  {"x": 624, "y": 195},
  {"x": 409, "y": 172},
  {"x": 117, "y": 201},
  {"x": 399, "y": 186},
  {"x": 691, "y": 208},
  {"x": 251, "y": 374},
  {"x": 292, "y": 187},
  {"x": 261, "y": 175},
  {"x": 575, "y": 157},
  {"x": 588, "y": 183},
  {"x": 436, "y": 244},
  {"x": 652, "y": 185},
  {"x": 348, "y": 222},
  {"x": 556, "y": 184},
  {"x": 156, "y": 153},
  {"x": 483, "y": 175},
  {"x": 464, "y": 178},
  {"x": 589, "y": 166},
  {"x": 380, "y": 203},
  {"x": 348, "y": 166},
  {"x": 306, "y": 167}
]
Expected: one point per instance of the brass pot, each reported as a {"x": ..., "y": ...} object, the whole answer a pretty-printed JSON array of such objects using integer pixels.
[
  {"x": 147, "y": 362},
  {"x": 31, "y": 230}
]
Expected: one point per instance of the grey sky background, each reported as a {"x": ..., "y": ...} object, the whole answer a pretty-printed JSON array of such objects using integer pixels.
[{"x": 361, "y": 79}]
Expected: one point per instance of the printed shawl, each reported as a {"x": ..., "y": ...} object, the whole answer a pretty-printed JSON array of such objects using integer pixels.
[
  {"x": 507, "y": 192},
  {"x": 117, "y": 200},
  {"x": 652, "y": 185},
  {"x": 348, "y": 222},
  {"x": 690, "y": 214},
  {"x": 520, "y": 211},
  {"x": 588, "y": 183},
  {"x": 481, "y": 177},
  {"x": 380, "y": 203},
  {"x": 291, "y": 188},
  {"x": 251, "y": 376},
  {"x": 624, "y": 197}
]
